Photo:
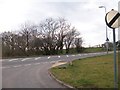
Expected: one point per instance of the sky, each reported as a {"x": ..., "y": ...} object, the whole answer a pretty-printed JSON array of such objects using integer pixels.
[{"x": 85, "y": 15}]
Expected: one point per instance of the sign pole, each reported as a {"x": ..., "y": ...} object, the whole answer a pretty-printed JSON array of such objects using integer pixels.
[
  {"x": 112, "y": 18},
  {"x": 115, "y": 65}
]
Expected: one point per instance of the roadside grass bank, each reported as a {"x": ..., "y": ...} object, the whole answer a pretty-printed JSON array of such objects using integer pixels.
[{"x": 93, "y": 72}]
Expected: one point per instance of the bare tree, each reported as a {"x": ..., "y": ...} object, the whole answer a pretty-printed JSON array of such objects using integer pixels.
[
  {"x": 49, "y": 37},
  {"x": 78, "y": 44},
  {"x": 69, "y": 39},
  {"x": 27, "y": 35},
  {"x": 62, "y": 32},
  {"x": 55, "y": 33},
  {"x": 8, "y": 42}
]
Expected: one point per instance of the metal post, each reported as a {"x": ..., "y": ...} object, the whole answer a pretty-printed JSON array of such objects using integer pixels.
[
  {"x": 107, "y": 35},
  {"x": 115, "y": 65},
  {"x": 107, "y": 44}
]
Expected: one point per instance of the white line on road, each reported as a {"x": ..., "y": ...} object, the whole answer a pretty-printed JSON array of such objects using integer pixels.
[
  {"x": 85, "y": 54},
  {"x": 49, "y": 57},
  {"x": 37, "y": 58},
  {"x": 27, "y": 64},
  {"x": 13, "y": 60},
  {"x": 53, "y": 61},
  {"x": 73, "y": 55},
  {"x": 25, "y": 59},
  {"x": 80, "y": 54},
  {"x": 95, "y": 53},
  {"x": 36, "y": 63},
  {"x": 58, "y": 56},
  {"x": 45, "y": 62},
  {"x": 67, "y": 56},
  {"x": 17, "y": 66},
  {"x": 59, "y": 60}
]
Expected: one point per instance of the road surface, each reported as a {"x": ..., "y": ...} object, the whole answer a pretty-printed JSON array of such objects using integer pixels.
[{"x": 32, "y": 72}]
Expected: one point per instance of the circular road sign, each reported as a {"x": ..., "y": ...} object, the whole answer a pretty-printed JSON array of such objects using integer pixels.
[{"x": 112, "y": 19}]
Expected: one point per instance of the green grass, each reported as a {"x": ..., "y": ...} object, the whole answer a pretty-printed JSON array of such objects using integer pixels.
[
  {"x": 94, "y": 49},
  {"x": 95, "y": 72}
]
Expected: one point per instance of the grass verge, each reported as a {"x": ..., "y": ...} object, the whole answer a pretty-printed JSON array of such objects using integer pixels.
[{"x": 94, "y": 72}]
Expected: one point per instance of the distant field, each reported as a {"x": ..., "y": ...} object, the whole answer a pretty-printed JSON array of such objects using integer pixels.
[
  {"x": 94, "y": 49},
  {"x": 85, "y": 50},
  {"x": 95, "y": 72}
]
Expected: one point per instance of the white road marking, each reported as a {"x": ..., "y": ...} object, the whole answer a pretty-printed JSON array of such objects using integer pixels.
[
  {"x": 36, "y": 63},
  {"x": 59, "y": 60},
  {"x": 25, "y": 59},
  {"x": 53, "y": 61},
  {"x": 58, "y": 56},
  {"x": 1, "y": 60},
  {"x": 37, "y": 58},
  {"x": 67, "y": 56},
  {"x": 80, "y": 54},
  {"x": 73, "y": 55},
  {"x": 13, "y": 60},
  {"x": 45, "y": 62},
  {"x": 17, "y": 66},
  {"x": 85, "y": 54},
  {"x": 27, "y": 64},
  {"x": 95, "y": 53},
  {"x": 49, "y": 57}
]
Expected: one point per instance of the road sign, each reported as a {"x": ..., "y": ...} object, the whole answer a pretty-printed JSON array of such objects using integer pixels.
[{"x": 112, "y": 19}]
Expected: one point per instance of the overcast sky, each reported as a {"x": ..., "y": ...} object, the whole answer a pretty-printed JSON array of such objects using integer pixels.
[{"x": 83, "y": 14}]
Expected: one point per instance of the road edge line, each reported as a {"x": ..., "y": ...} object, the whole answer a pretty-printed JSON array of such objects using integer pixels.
[{"x": 62, "y": 83}]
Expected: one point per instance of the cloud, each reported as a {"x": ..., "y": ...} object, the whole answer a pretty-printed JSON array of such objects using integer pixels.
[{"x": 84, "y": 15}]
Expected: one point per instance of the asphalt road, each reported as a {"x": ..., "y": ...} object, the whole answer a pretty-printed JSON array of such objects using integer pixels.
[{"x": 32, "y": 72}]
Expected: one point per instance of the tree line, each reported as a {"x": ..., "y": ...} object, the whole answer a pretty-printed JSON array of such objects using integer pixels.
[{"x": 49, "y": 37}]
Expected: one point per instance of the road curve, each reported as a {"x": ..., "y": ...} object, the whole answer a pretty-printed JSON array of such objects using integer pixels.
[
  {"x": 33, "y": 72},
  {"x": 34, "y": 76}
]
